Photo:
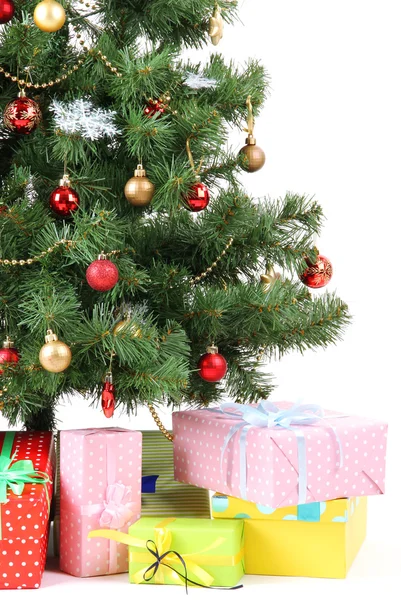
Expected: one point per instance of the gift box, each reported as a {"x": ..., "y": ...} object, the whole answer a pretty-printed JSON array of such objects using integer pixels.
[
  {"x": 280, "y": 455},
  {"x": 100, "y": 486},
  {"x": 172, "y": 499},
  {"x": 26, "y": 487},
  {"x": 319, "y": 539},
  {"x": 183, "y": 551}
]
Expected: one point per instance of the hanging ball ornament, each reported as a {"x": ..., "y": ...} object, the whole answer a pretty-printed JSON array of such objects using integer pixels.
[
  {"x": 7, "y": 10},
  {"x": 253, "y": 157},
  {"x": 108, "y": 396},
  {"x": 317, "y": 274},
  {"x": 22, "y": 115},
  {"x": 198, "y": 197},
  {"x": 54, "y": 356},
  {"x": 8, "y": 354},
  {"x": 64, "y": 201},
  {"x": 127, "y": 328},
  {"x": 102, "y": 274},
  {"x": 49, "y": 16},
  {"x": 212, "y": 365},
  {"x": 139, "y": 190}
]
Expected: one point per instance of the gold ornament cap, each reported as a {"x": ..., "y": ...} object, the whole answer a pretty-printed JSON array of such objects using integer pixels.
[
  {"x": 8, "y": 343},
  {"x": 50, "y": 336},
  {"x": 212, "y": 349},
  {"x": 250, "y": 140},
  {"x": 140, "y": 171},
  {"x": 21, "y": 93},
  {"x": 109, "y": 377},
  {"x": 65, "y": 181},
  {"x": 102, "y": 256}
]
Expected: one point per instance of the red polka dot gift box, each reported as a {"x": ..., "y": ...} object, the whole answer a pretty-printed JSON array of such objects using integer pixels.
[
  {"x": 280, "y": 454},
  {"x": 26, "y": 486}
]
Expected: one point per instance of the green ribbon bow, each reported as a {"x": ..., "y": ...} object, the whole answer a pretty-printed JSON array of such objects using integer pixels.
[{"x": 16, "y": 475}]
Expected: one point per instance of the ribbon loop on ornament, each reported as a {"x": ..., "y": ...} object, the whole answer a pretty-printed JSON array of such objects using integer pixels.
[{"x": 268, "y": 415}]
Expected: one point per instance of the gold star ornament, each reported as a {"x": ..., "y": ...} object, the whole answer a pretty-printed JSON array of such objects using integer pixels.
[{"x": 216, "y": 26}]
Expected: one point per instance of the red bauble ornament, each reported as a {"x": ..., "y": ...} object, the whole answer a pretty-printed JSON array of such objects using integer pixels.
[
  {"x": 7, "y": 10},
  {"x": 108, "y": 396},
  {"x": 22, "y": 115},
  {"x": 212, "y": 365},
  {"x": 8, "y": 354},
  {"x": 154, "y": 107},
  {"x": 102, "y": 274},
  {"x": 198, "y": 197},
  {"x": 64, "y": 201},
  {"x": 319, "y": 274}
]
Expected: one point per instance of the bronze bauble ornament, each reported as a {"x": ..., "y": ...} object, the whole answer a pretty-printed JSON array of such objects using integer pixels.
[
  {"x": 253, "y": 156},
  {"x": 54, "y": 356},
  {"x": 139, "y": 190}
]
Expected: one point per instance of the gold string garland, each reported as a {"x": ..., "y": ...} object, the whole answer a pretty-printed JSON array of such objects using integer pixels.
[
  {"x": 160, "y": 425},
  {"x": 214, "y": 264},
  {"x": 94, "y": 53}
]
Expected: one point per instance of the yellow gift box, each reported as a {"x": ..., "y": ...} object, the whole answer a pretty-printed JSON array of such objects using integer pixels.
[{"x": 320, "y": 539}]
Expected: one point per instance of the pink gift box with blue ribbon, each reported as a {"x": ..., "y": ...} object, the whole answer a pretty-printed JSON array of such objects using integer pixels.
[
  {"x": 100, "y": 487},
  {"x": 280, "y": 454}
]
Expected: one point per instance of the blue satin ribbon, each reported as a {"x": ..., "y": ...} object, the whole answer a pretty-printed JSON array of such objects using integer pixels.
[
  {"x": 268, "y": 415},
  {"x": 149, "y": 484}
]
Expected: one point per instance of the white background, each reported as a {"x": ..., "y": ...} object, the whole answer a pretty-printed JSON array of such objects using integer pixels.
[{"x": 331, "y": 128}]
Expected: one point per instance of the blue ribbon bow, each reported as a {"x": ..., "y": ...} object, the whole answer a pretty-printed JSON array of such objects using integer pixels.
[{"x": 268, "y": 415}]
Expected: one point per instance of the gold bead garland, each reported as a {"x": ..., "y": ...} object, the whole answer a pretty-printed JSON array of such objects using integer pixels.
[
  {"x": 96, "y": 54},
  {"x": 214, "y": 264},
  {"x": 160, "y": 425}
]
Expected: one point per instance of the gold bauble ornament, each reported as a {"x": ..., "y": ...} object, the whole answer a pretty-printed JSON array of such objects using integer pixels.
[
  {"x": 129, "y": 327},
  {"x": 139, "y": 190},
  {"x": 254, "y": 156},
  {"x": 49, "y": 16},
  {"x": 54, "y": 356}
]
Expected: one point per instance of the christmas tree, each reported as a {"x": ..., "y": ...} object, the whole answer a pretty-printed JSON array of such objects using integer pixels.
[{"x": 124, "y": 230}]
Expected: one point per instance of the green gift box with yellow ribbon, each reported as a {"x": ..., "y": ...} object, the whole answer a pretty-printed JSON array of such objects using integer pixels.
[{"x": 198, "y": 552}]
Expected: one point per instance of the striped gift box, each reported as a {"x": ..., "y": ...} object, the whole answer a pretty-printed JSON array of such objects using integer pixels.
[{"x": 172, "y": 499}]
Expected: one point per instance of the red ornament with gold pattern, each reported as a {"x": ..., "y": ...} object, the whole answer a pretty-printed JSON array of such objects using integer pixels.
[
  {"x": 64, "y": 201},
  {"x": 8, "y": 354},
  {"x": 317, "y": 274},
  {"x": 197, "y": 198},
  {"x": 22, "y": 115},
  {"x": 7, "y": 10},
  {"x": 108, "y": 396},
  {"x": 157, "y": 107},
  {"x": 212, "y": 365},
  {"x": 154, "y": 107}
]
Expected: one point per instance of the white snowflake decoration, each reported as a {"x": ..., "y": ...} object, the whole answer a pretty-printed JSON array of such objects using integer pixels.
[
  {"x": 83, "y": 118},
  {"x": 198, "y": 82}
]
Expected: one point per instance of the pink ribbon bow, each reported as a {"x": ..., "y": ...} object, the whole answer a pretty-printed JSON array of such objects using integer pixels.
[{"x": 118, "y": 506}]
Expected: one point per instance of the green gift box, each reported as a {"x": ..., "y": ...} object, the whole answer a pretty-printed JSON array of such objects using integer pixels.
[{"x": 172, "y": 551}]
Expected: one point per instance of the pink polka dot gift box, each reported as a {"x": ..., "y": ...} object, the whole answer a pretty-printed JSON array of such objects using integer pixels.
[
  {"x": 26, "y": 485},
  {"x": 280, "y": 454},
  {"x": 100, "y": 486}
]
